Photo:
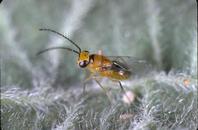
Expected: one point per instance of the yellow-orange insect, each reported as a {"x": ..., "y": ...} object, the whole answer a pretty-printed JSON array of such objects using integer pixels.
[{"x": 97, "y": 64}]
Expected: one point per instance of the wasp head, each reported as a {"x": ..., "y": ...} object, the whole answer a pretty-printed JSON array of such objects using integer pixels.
[{"x": 83, "y": 59}]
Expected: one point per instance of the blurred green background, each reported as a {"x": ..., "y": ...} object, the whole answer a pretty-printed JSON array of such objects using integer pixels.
[{"x": 162, "y": 32}]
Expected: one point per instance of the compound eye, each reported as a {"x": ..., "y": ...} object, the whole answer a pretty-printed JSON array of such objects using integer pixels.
[{"x": 83, "y": 64}]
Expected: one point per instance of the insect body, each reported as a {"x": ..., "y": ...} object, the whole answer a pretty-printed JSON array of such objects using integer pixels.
[
  {"x": 103, "y": 66},
  {"x": 114, "y": 67}
]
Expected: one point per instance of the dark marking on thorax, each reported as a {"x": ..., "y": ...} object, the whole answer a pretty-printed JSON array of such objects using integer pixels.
[{"x": 91, "y": 58}]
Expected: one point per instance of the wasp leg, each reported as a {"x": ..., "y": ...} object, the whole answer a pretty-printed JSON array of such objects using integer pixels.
[
  {"x": 123, "y": 90},
  {"x": 87, "y": 79},
  {"x": 104, "y": 89},
  {"x": 84, "y": 87},
  {"x": 121, "y": 86}
]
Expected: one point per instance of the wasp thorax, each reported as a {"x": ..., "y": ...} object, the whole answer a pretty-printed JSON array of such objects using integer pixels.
[{"x": 83, "y": 59}]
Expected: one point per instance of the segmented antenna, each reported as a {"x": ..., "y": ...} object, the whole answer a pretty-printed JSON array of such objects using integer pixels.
[
  {"x": 53, "y": 48},
  {"x": 50, "y": 30}
]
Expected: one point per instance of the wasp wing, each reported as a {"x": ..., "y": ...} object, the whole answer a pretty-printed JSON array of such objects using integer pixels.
[{"x": 135, "y": 66}]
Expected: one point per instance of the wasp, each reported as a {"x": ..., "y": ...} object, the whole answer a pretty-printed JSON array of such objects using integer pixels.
[{"x": 115, "y": 68}]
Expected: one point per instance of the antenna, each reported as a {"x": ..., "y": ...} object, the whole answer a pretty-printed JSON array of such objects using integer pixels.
[
  {"x": 53, "y": 48},
  {"x": 50, "y": 30}
]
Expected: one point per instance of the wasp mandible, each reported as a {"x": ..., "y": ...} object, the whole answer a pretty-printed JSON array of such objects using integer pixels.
[{"x": 115, "y": 68}]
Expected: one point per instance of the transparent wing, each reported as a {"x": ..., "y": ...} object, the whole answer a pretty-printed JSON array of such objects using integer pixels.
[{"x": 136, "y": 66}]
